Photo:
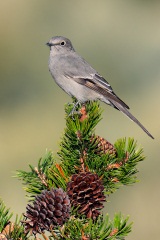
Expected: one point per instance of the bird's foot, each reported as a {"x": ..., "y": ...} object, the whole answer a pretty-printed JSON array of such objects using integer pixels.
[{"x": 74, "y": 111}]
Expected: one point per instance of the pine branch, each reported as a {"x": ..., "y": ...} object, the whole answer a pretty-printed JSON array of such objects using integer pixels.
[
  {"x": 102, "y": 228},
  {"x": 57, "y": 176},
  {"x": 5, "y": 215},
  {"x": 81, "y": 150},
  {"x": 36, "y": 179},
  {"x": 10, "y": 230},
  {"x": 122, "y": 169},
  {"x": 67, "y": 195},
  {"x": 78, "y": 132}
]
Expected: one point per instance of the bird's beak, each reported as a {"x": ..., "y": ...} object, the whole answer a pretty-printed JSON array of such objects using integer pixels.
[{"x": 48, "y": 44}]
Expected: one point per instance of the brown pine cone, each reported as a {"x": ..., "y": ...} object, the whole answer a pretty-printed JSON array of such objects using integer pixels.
[
  {"x": 50, "y": 209},
  {"x": 103, "y": 146},
  {"x": 85, "y": 191}
]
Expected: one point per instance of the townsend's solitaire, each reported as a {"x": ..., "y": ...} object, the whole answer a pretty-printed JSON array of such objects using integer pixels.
[{"x": 77, "y": 78}]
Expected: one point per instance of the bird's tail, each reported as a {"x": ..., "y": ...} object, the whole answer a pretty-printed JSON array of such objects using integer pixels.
[{"x": 128, "y": 114}]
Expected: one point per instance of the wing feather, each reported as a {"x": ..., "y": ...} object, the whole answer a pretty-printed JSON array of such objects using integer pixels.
[{"x": 100, "y": 85}]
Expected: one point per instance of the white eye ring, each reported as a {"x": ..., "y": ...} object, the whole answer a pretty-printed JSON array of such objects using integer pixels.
[{"x": 63, "y": 43}]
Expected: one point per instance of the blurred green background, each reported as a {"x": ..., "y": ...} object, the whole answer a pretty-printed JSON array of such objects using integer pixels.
[{"x": 121, "y": 39}]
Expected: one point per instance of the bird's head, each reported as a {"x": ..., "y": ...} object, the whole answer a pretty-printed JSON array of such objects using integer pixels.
[{"x": 60, "y": 43}]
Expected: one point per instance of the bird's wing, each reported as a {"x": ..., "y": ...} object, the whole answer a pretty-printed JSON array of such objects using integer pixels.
[{"x": 98, "y": 84}]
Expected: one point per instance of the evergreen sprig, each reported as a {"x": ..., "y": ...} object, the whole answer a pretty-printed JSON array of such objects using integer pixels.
[
  {"x": 121, "y": 169},
  {"x": 10, "y": 230},
  {"x": 57, "y": 176},
  {"x": 77, "y": 135},
  {"x": 77, "y": 149},
  {"x": 36, "y": 180},
  {"x": 15, "y": 230},
  {"x": 5, "y": 215},
  {"x": 101, "y": 229}
]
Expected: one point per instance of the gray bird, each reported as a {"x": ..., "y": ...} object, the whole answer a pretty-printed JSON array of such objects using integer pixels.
[{"x": 77, "y": 78}]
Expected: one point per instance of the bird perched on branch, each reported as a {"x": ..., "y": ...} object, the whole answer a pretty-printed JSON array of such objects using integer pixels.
[{"x": 77, "y": 78}]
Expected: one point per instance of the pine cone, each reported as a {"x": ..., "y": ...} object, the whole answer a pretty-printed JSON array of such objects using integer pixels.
[
  {"x": 103, "y": 146},
  {"x": 85, "y": 191},
  {"x": 50, "y": 208}
]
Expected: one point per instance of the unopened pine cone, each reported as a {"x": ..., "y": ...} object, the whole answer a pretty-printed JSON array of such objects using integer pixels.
[
  {"x": 103, "y": 146},
  {"x": 85, "y": 191},
  {"x": 50, "y": 209}
]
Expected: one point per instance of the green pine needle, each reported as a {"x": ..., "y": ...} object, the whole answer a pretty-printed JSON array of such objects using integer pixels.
[
  {"x": 36, "y": 179},
  {"x": 77, "y": 135},
  {"x": 5, "y": 215},
  {"x": 101, "y": 229},
  {"x": 11, "y": 230}
]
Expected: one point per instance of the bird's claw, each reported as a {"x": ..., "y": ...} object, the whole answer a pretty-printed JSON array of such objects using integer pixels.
[{"x": 73, "y": 111}]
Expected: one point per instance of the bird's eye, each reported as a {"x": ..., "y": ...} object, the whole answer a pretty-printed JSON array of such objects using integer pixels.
[{"x": 63, "y": 43}]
